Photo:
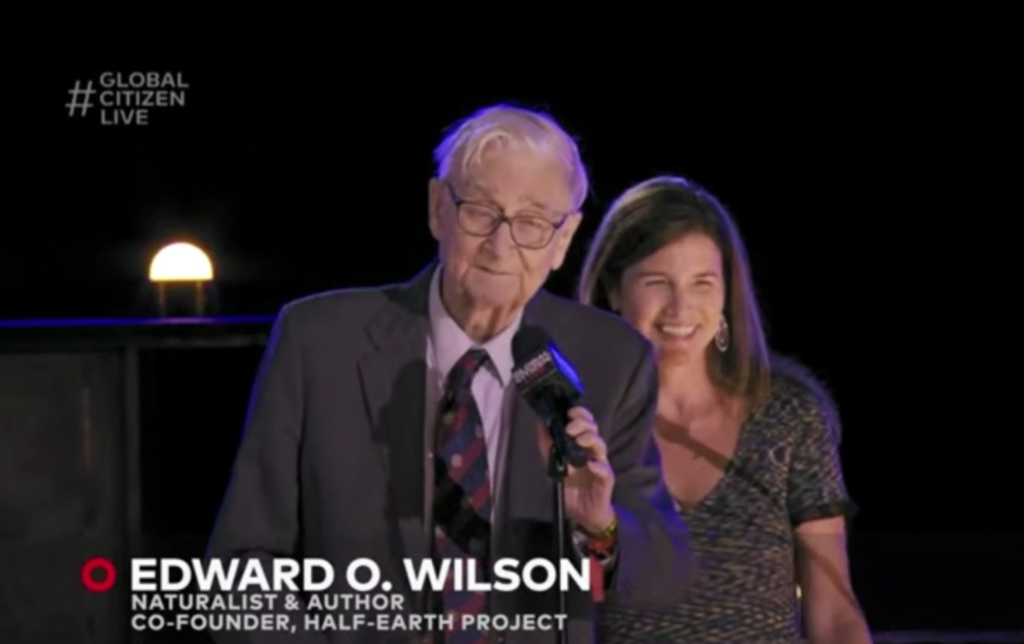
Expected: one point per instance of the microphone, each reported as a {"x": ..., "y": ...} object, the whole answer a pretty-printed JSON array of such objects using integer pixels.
[{"x": 549, "y": 384}]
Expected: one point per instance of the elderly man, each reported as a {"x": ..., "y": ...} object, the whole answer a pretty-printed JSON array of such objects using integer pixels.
[{"x": 384, "y": 423}]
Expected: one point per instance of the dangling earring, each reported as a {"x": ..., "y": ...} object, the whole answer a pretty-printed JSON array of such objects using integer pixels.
[{"x": 722, "y": 337}]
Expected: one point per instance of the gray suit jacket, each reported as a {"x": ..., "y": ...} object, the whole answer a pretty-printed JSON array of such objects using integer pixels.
[{"x": 332, "y": 463}]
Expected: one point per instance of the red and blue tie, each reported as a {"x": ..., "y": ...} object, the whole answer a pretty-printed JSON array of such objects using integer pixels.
[{"x": 462, "y": 498}]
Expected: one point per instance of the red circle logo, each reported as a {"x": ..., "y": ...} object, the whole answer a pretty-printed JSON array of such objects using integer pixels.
[{"x": 108, "y": 577}]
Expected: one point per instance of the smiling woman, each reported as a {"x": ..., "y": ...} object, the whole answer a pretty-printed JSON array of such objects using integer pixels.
[
  {"x": 669, "y": 238},
  {"x": 749, "y": 443},
  {"x": 677, "y": 297}
]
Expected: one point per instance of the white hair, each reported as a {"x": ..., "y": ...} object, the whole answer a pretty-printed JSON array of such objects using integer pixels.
[{"x": 507, "y": 126}]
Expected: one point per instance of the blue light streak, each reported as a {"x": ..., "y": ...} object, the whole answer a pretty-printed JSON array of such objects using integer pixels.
[{"x": 79, "y": 323}]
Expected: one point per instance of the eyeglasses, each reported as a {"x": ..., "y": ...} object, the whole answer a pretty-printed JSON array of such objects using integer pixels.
[{"x": 531, "y": 230}]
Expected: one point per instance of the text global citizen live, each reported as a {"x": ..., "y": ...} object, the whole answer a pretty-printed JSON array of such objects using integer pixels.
[
  {"x": 125, "y": 99},
  {"x": 292, "y": 595}
]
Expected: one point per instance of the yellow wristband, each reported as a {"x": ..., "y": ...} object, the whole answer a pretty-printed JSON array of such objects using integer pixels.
[{"x": 607, "y": 533}]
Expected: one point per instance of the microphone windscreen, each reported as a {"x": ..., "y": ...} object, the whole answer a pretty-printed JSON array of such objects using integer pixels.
[{"x": 529, "y": 342}]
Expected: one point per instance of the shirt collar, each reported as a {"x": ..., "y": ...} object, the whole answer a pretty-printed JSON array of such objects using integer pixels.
[{"x": 449, "y": 342}]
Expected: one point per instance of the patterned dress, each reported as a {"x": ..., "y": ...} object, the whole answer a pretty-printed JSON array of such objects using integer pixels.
[{"x": 785, "y": 471}]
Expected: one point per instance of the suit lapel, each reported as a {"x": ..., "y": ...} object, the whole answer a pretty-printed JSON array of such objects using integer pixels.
[
  {"x": 525, "y": 512},
  {"x": 527, "y": 486},
  {"x": 393, "y": 379}
]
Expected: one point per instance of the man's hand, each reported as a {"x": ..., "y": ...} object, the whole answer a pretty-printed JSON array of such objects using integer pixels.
[{"x": 588, "y": 490}]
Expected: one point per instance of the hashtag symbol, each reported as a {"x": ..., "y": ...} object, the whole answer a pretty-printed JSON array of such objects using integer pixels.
[{"x": 80, "y": 98}]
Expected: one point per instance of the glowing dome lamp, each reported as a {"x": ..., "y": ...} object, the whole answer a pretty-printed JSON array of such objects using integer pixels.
[{"x": 181, "y": 262}]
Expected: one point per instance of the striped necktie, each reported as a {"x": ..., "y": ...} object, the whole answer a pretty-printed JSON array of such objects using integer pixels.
[{"x": 462, "y": 499}]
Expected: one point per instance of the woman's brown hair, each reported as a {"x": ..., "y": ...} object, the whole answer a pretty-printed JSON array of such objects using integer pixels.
[{"x": 656, "y": 213}]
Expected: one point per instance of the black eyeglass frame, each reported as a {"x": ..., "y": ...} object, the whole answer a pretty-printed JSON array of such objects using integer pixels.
[{"x": 501, "y": 217}]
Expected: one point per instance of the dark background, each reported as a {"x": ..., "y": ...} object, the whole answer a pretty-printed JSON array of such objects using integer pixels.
[{"x": 303, "y": 177}]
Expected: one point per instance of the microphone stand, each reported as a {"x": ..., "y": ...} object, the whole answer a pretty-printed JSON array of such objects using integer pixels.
[{"x": 558, "y": 469}]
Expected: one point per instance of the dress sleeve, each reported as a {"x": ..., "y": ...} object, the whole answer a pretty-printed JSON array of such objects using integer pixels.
[{"x": 816, "y": 489}]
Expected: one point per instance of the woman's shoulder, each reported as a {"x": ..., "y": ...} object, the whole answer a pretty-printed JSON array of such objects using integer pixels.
[{"x": 798, "y": 396}]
